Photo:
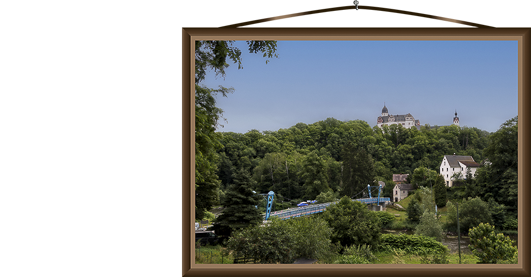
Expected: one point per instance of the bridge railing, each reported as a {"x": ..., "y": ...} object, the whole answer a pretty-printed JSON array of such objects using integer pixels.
[{"x": 319, "y": 208}]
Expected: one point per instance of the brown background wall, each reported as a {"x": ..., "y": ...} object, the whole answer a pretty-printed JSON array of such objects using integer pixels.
[{"x": 94, "y": 143}]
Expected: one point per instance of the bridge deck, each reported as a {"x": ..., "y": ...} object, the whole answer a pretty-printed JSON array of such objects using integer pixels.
[{"x": 319, "y": 208}]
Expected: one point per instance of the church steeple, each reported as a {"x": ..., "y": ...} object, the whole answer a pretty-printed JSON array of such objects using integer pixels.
[{"x": 456, "y": 119}]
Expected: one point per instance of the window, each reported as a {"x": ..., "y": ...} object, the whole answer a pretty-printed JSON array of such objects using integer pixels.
[
  {"x": 447, "y": 183},
  {"x": 453, "y": 169}
]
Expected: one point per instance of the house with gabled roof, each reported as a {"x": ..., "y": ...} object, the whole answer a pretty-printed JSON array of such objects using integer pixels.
[
  {"x": 452, "y": 164},
  {"x": 401, "y": 191}
]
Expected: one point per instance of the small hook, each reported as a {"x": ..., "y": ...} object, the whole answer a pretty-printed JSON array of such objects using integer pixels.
[{"x": 356, "y": 3}]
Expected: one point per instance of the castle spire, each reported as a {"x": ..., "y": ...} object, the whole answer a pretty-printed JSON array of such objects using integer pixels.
[{"x": 385, "y": 112}]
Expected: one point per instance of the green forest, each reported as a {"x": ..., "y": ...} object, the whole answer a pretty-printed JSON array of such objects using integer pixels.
[
  {"x": 333, "y": 156},
  {"x": 306, "y": 160}
]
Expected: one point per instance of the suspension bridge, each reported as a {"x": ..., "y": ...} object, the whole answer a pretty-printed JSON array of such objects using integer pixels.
[{"x": 318, "y": 208}]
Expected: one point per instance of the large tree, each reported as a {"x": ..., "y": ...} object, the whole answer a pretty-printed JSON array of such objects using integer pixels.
[
  {"x": 498, "y": 179},
  {"x": 206, "y": 144},
  {"x": 213, "y": 55},
  {"x": 439, "y": 189},
  {"x": 352, "y": 223},
  {"x": 358, "y": 170},
  {"x": 423, "y": 177},
  {"x": 240, "y": 206}
]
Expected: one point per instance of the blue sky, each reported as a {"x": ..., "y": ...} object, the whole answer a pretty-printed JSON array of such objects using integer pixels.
[{"x": 347, "y": 80}]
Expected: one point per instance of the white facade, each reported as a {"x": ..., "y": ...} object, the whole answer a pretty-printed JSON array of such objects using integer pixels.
[
  {"x": 407, "y": 121},
  {"x": 452, "y": 164},
  {"x": 401, "y": 191}
]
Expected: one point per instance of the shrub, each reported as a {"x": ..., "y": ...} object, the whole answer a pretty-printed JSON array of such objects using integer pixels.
[
  {"x": 440, "y": 258},
  {"x": 414, "y": 211},
  {"x": 386, "y": 219},
  {"x": 511, "y": 224},
  {"x": 268, "y": 244},
  {"x": 429, "y": 226},
  {"x": 311, "y": 237},
  {"x": 490, "y": 247},
  {"x": 209, "y": 216},
  {"x": 282, "y": 241},
  {"x": 351, "y": 259},
  {"x": 363, "y": 251},
  {"x": 412, "y": 244},
  {"x": 472, "y": 212},
  {"x": 513, "y": 260},
  {"x": 397, "y": 225}
]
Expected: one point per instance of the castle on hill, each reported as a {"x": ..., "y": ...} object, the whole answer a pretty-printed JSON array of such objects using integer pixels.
[{"x": 407, "y": 121}]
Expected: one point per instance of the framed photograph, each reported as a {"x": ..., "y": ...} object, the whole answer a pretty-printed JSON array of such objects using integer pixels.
[{"x": 334, "y": 38}]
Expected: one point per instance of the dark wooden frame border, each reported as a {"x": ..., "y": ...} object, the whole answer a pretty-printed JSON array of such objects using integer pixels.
[{"x": 522, "y": 35}]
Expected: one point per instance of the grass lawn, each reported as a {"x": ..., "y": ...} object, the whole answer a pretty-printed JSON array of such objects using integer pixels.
[
  {"x": 212, "y": 255},
  {"x": 388, "y": 258},
  {"x": 216, "y": 255},
  {"x": 402, "y": 215},
  {"x": 405, "y": 202}
]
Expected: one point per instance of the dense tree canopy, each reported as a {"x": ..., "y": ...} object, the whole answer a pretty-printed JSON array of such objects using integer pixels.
[
  {"x": 358, "y": 170},
  {"x": 213, "y": 55},
  {"x": 498, "y": 179},
  {"x": 305, "y": 160}
]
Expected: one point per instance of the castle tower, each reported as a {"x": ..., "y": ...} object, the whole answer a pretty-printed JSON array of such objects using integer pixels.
[
  {"x": 385, "y": 112},
  {"x": 456, "y": 119}
]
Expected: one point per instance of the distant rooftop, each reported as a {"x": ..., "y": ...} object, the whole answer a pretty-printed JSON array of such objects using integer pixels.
[
  {"x": 454, "y": 160},
  {"x": 400, "y": 177}
]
